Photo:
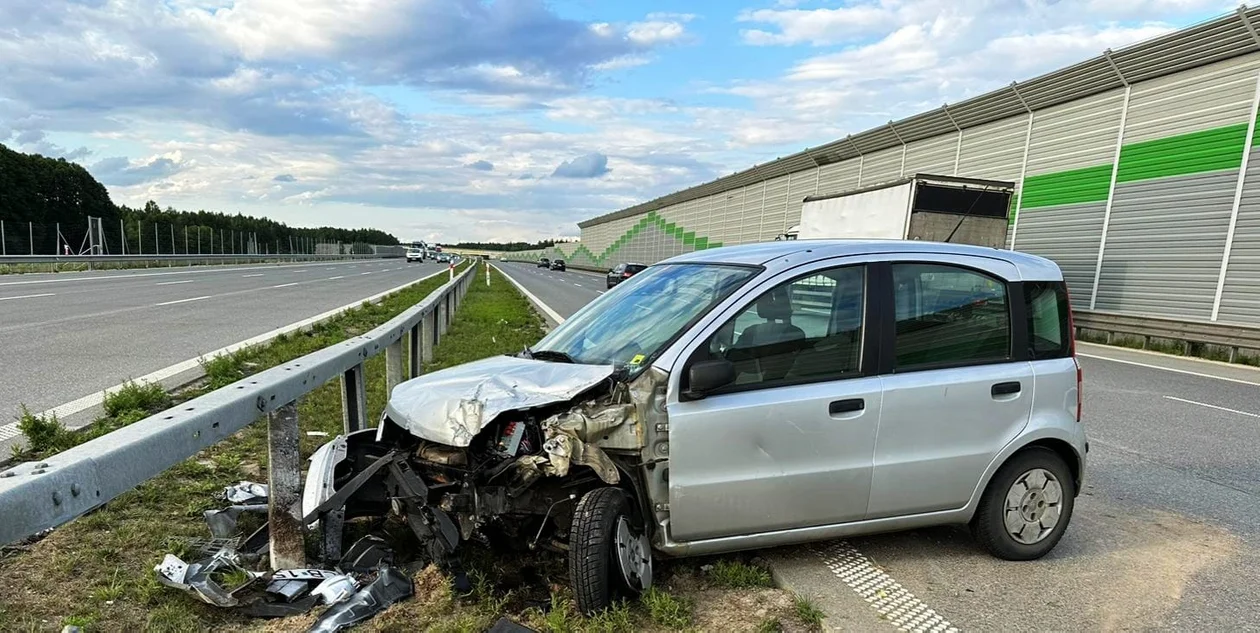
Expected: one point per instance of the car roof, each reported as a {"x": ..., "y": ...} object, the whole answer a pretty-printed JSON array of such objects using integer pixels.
[{"x": 763, "y": 253}]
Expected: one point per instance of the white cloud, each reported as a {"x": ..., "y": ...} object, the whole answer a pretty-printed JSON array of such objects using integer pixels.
[{"x": 654, "y": 32}]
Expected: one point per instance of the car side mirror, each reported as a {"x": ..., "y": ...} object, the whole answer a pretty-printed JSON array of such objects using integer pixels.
[{"x": 708, "y": 375}]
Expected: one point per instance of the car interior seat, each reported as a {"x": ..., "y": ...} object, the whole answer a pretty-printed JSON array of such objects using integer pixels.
[{"x": 773, "y": 359}]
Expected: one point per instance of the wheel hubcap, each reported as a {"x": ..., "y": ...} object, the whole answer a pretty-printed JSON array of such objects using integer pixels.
[
  {"x": 634, "y": 556},
  {"x": 1033, "y": 505}
]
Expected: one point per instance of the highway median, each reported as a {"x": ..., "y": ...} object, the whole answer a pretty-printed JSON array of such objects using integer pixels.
[{"x": 102, "y": 565}]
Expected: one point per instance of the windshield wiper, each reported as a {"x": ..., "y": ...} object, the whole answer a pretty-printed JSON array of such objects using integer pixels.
[{"x": 550, "y": 354}]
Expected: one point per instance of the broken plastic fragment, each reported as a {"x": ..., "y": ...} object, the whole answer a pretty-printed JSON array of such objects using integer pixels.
[
  {"x": 390, "y": 586},
  {"x": 246, "y": 492},
  {"x": 335, "y": 589},
  {"x": 203, "y": 577},
  {"x": 263, "y": 609},
  {"x": 367, "y": 554},
  {"x": 222, "y": 523}
]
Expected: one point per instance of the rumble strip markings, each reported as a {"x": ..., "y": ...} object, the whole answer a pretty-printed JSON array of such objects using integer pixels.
[{"x": 894, "y": 602}]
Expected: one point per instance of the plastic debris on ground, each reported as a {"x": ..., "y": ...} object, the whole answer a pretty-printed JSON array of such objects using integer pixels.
[
  {"x": 391, "y": 585},
  {"x": 204, "y": 577},
  {"x": 246, "y": 493},
  {"x": 222, "y": 523}
]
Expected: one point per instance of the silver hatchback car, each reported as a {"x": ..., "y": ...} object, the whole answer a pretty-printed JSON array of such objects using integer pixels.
[{"x": 740, "y": 398}]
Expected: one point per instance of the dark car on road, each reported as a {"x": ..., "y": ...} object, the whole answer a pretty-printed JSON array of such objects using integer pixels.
[
  {"x": 623, "y": 272},
  {"x": 544, "y": 263},
  {"x": 557, "y": 264}
]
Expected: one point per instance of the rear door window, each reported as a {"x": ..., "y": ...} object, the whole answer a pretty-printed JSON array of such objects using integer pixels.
[
  {"x": 1049, "y": 334},
  {"x": 949, "y": 316}
]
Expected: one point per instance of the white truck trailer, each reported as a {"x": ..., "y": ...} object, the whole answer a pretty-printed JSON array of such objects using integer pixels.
[{"x": 919, "y": 207}]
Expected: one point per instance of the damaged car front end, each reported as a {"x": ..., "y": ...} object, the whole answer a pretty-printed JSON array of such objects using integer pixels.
[{"x": 560, "y": 448}]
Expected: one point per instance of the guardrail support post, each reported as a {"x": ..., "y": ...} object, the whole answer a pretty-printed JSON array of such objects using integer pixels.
[
  {"x": 414, "y": 346},
  {"x": 428, "y": 335},
  {"x": 393, "y": 366},
  {"x": 284, "y": 474},
  {"x": 443, "y": 316},
  {"x": 353, "y": 399}
]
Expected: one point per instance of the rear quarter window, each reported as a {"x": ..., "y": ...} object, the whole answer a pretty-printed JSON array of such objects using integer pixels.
[{"x": 1046, "y": 304}]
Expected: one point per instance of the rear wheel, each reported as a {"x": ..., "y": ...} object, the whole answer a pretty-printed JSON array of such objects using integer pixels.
[
  {"x": 1026, "y": 507},
  {"x": 609, "y": 553}
]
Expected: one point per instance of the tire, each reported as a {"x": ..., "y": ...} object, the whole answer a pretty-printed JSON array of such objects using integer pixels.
[
  {"x": 1030, "y": 509},
  {"x": 593, "y": 568}
]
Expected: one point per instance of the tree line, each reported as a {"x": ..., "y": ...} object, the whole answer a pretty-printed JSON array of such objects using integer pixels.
[
  {"x": 509, "y": 247},
  {"x": 53, "y": 191}
]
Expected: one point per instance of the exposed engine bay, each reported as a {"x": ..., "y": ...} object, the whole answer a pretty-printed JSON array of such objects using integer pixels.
[{"x": 516, "y": 481}]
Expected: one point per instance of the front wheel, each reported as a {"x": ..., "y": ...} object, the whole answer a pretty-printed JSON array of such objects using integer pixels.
[
  {"x": 609, "y": 553},
  {"x": 1026, "y": 507}
]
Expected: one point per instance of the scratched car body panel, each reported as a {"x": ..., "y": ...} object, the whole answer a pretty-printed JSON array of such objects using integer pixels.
[{"x": 746, "y": 397}]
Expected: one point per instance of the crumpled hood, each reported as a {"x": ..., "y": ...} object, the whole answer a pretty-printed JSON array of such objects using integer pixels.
[{"x": 452, "y": 405}]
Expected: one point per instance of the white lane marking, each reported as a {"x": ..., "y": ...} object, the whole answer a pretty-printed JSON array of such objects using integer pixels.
[
  {"x": 287, "y": 285},
  {"x": 95, "y": 399},
  {"x": 46, "y": 294},
  {"x": 300, "y": 271},
  {"x": 220, "y": 268},
  {"x": 172, "y": 283},
  {"x": 1212, "y": 406},
  {"x": 254, "y": 275},
  {"x": 600, "y": 292},
  {"x": 1176, "y": 371},
  {"x": 555, "y": 316},
  {"x": 894, "y": 603},
  {"x": 337, "y": 277},
  {"x": 367, "y": 273},
  {"x": 171, "y": 303}
]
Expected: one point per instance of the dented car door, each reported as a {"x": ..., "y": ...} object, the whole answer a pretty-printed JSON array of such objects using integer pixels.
[{"x": 789, "y": 443}]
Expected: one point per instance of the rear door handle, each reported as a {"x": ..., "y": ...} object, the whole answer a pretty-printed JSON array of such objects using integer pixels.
[
  {"x": 846, "y": 406},
  {"x": 1005, "y": 388}
]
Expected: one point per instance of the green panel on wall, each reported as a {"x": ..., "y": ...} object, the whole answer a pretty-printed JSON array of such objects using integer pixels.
[
  {"x": 1210, "y": 150},
  {"x": 1088, "y": 184}
]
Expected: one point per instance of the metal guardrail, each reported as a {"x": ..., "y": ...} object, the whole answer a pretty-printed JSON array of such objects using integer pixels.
[
  {"x": 1233, "y": 337},
  {"x": 217, "y": 258},
  {"x": 36, "y": 496}
]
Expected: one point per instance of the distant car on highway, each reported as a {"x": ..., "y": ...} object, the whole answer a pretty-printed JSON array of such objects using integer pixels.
[
  {"x": 443, "y": 257},
  {"x": 557, "y": 264},
  {"x": 749, "y": 397},
  {"x": 415, "y": 255},
  {"x": 622, "y": 272},
  {"x": 543, "y": 262}
]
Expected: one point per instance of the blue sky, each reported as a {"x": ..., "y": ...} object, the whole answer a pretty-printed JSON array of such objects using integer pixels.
[{"x": 506, "y": 119}]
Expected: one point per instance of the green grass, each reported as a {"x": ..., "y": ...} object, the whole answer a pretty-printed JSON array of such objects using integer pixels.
[
  {"x": 808, "y": 612},
  {"x": 736, "y": 574},
  {"x": 149, "y": 398},
  {"x": 667, "y": 609}
]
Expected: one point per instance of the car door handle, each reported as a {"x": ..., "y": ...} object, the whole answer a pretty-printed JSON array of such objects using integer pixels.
[
  {"x": 846, "y": 406},
  {"x": 1005, "y": 388}
]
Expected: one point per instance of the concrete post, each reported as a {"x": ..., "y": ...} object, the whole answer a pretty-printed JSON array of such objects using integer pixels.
[
  {"x": 428, "y": 334},
  {"x": 393, "y": 366},
  {"x": 414, "y": 349},
  {"x": 284, "y": 474}
]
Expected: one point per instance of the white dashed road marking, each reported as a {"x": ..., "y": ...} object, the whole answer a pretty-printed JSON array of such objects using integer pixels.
[
  {"x": 337, "y": 277},
  {"x": 171, "y": 303},
  {"x": 46, "y": 294},
  {"x": 287, "y": 285},
  {"x": 893, "y": 602},
  {"x": 172, "y": 283},
  {"x": 1212, "y": 406}
]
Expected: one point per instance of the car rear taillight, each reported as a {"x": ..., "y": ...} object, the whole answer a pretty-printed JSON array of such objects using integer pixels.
[{"x": 1080, "y": 375}]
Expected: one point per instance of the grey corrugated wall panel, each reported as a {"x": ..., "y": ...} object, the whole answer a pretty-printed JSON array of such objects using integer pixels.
[
  {"x": 994, "y": 150},
  {"x": 1213, "y": 96},
  {"x": 932, "y": 155},
  {"x": 1164, "y": 245},
  {"x": 1075, "y": 135},
  {"x": 804, "y": 184},
  {"x": 750, "y": 214},
  {"x": 882, "y": 166},
  {"x": 732, "y": 215},
  {"x": 838, "y": 177},
  {"x": 1240, "y": 300},
  {"x": 776, "y": 206},
  {"x": 1068, "y": 235}
]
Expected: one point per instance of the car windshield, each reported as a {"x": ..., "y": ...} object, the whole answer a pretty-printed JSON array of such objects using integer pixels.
[{"x": 628, "y": 327}]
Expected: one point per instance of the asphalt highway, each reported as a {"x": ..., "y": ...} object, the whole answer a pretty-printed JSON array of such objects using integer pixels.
[
  {"x": 64, "y": 336},
  {"x": 1165, "y": 535}
]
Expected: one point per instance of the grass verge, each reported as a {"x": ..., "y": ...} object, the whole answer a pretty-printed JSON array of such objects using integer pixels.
[{"x": 101, "y": 565}]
